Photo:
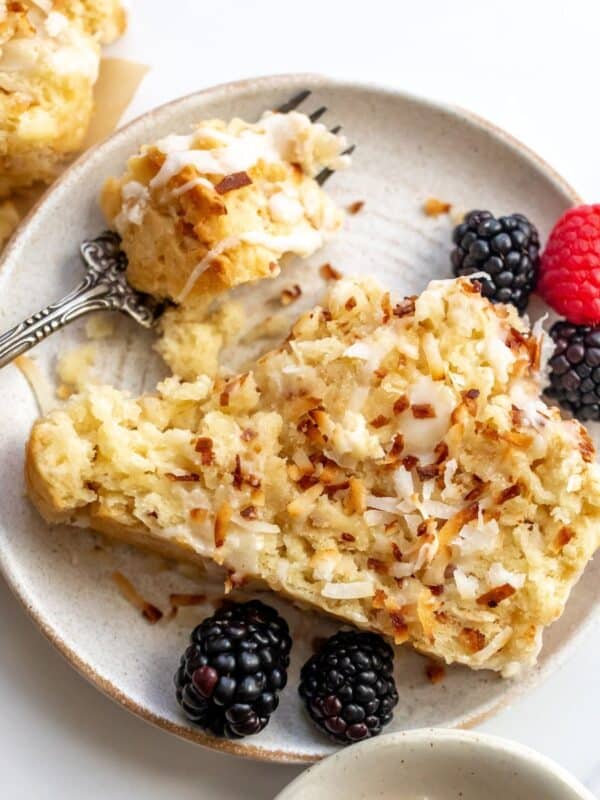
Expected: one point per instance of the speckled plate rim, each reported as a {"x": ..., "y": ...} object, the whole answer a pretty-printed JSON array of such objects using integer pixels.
[{"x": 289, "y": 82}]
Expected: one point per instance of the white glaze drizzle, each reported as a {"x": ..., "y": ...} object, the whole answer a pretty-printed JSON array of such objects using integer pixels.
[
  {"x": 204, "y": 264},
  {"x": 190, "y": 185}
]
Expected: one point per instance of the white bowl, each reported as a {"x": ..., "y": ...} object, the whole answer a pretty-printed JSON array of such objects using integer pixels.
[{"x": 436, "y": 765}]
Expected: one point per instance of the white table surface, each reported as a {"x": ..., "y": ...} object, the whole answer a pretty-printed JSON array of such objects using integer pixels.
[{"x": 532, "y": 68}]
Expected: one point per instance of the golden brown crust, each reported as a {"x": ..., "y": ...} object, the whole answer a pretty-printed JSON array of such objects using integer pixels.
[{"x": 45, "y": 110}]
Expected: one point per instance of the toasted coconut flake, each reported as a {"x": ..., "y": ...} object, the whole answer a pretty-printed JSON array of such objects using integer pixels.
[
  {"x": 185, "y": 477},
  {"x": 441, "y": 452},
  {"x": 452, "y": 527},
  {"x": 435, "y": 672},
  {"x": 204, "y": 446},
  {"x": 294, "y": 473},
  {"x": 249, "y": 512},
  {"x": 496, "y": 595},
  {"x": 379, "y": 599},
  {"x": 376, "y": 565},
  {"x": 198, "y": 514},
  {"x": 428, "y": 471},
  {"x": 356, "y": 206},
  {"x": 405, "y": 307},
  {"x": 477, "y": 490},
  {"x": 396, "y": 449},
  {"x": 234, "y": 181},
  {"x": 401, "y": 404},
  {"x": 222, "y": 519},
  {"x": 432, "y": 207},
  {"x": 350, "y": 303},
  {"x": 586, "y": 446},
  {"x": 423, "y": 411},
  {"x": 224, "y": 398},
  {"x": 563, "y": 537},
  {"x": 379, "y": 421},
  {"x": 472, "y": 286},
  {"x": 396, "y": 552},
  {"x": 288, "y": 296},
  {"x": 434, "y": 358},
  {"x": 329, "y": 473},
  {"x": 357, "y": 496},
  {"x": 329, "y": 273},
  {"x": 320, "y": 418},
  {"x": 472, "y": 640},
  {"x": 149, "y": 611},
  {"x": 238, "y": 478},
  {"x": 470, "y": 400},
  {"x": 515, "y": 339},
  {"x": 399, "y": 627},
  {"x": 516, "y": 416},
  {"x": 387, "y": 308},
  {"x": 347, "y": 537},
  {"x": 508, "y": 493},
  {"x": 409, "y": 462}
]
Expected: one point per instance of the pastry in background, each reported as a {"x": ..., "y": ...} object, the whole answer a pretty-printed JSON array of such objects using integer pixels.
[{"x": 49, "y": 60}]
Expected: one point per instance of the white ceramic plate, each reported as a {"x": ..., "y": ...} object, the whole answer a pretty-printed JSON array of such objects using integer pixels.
[
  {"x": 436, "y": 764},
  {"x": 408, "y": 150}
]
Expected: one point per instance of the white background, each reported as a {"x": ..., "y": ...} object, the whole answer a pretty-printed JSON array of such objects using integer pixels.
[{"x": 530, "y": 66}]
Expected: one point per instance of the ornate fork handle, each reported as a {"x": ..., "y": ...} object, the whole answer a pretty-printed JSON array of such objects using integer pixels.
[{"x": 104, "y": 288}]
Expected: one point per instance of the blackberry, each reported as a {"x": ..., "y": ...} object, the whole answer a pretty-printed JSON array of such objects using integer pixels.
[
  {"x": 575, "y": 369},
  {"x": 230, "y": 676},
  {"x": 348, "y": 686},
  {"x": 506, "y": 248}
]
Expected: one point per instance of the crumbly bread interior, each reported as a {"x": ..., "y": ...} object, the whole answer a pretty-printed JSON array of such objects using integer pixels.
[
  {"x": 391, "y": 464},
  {"x": 191, "y": 338},
  {"x": 49, "y": 57}
]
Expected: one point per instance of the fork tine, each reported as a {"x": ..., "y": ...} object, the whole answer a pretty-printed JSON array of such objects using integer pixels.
[
  {"x": 293, "y": 102},
  {"x": 326, "y": 173},
  {"x": 317, "y": 114}
]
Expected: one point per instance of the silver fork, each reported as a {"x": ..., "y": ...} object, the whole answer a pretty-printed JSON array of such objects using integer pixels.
[{"x": 104, "y": 286}]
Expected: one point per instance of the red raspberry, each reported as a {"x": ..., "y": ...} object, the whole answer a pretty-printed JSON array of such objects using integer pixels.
[{"x": 570, "y": 266}]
